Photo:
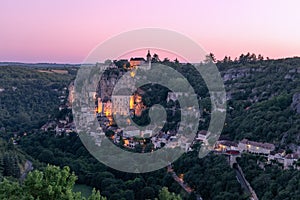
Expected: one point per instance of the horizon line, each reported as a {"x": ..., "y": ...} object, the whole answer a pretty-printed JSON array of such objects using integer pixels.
[{"x": 75, "y": 63}]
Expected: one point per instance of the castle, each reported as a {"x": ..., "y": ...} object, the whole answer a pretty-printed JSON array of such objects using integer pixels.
[
  {"x": 121, "y": 103},
  {"x": 140, "y": 61}
]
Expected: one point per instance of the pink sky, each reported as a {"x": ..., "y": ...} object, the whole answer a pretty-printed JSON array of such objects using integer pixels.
[{"x": 65, "y": 31}]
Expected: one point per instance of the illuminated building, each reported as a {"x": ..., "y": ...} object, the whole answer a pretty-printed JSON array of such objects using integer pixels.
[
  {"x": 255, "y": 147},
  {"x": 131, "y": 103},
  {"x": 121, "y": 104},
  {"x": 136, "y": 62},
  {"x": 226, "y": 145},
  {"x": 108, "y": 108},
  {"x": 99, "y": 107},
  {"x": 146, "y": 64}
]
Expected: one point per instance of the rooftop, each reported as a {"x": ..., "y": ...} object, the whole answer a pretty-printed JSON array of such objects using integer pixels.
[
  {"x": 292, "y": 156},
  {"x": 137, "y": 59},
  {"x": 258, "y": 144},
  {"x": 202, "y": 132},
  {"x": 228, "y": 143}
]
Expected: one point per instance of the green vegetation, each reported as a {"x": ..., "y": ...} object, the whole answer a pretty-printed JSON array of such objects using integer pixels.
[
  {"x": 85, "y": 190},
  {"x": 211, "y": 177},
  {"x": 51, "y": 184},
  {"x": 271, "y": 182},
  {"x": 259, "y": 109},
  {"x": 266, "y": 121},
  {"x": 261, "y": 95},
  {"x": 29, "y": 97},
  {"x": 164, "y": 194},
  {"x": 11, "y": 160},
  {"x": 47, "y": 147}
]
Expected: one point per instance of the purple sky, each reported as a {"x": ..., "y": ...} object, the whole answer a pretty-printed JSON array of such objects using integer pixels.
[{"x": 67, "y": 30}]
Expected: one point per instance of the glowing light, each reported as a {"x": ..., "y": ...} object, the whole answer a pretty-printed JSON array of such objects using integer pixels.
[
  {"x": 132, "y": 74},
  {"x": 126, "y": 142},
  {"x": 108, "y": 109},
  {"x": 138, "y": 98},
  {"x": 181, "y": 176},
  {"x": 99, "y": 108},
  {"x": 131, "y": 102}
]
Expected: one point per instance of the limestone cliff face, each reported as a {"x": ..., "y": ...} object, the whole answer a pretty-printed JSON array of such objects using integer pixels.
[
  {"x": 233, "y": 74},
  {"x": 296, "y": 102},
  {"x": 107, "y": 83}
]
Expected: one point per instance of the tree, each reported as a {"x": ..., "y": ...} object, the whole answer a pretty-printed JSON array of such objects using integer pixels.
[
  {"x": 149, "y": 147},
  {"x": 11, "y": 145},
  {"x": 54, "y": 183},
  {"x": 138, "y": 148},
  {"x": 128, "y": 194},
  {"x": 109, "y": 133},
  {"x": 46, "y": 156},
  {"x": 260, "y": 57},
  {"x": 155, "y": 58},
  {"x": 10, "y": 190},
  {"x": 166, "y": 61},
  {"x": 210, "y": 58},
  {"x": 10, "y": 163},
  {"x": 96, "y": 196},
  {"x": 107, "y": 62},
  {"x": 1, "y": 166},
  {"x": 164, "y": 194},
  {"x": 148, "y": 193},
  {"x": 51, "y": 184}
]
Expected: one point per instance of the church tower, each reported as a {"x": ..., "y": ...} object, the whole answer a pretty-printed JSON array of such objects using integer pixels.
[
  {"x": 149, "y": 60},
  {"x": 148, "y": 56}
]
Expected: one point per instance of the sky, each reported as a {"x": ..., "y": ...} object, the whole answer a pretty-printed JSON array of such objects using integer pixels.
[{"x": 65, "y": 31}]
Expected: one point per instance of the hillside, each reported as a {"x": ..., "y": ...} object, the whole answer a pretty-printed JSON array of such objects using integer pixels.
[
  {"x": 29, "y": 97},
  {"x": 262, "y": 100}
]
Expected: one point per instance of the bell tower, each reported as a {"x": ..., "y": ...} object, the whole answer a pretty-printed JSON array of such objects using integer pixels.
[{"x": 148, "y": 56}]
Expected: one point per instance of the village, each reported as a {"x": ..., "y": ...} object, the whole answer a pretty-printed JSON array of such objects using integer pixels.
[
  {"x": 151, "y": 138},
  {"x": 280, "y": 157}
]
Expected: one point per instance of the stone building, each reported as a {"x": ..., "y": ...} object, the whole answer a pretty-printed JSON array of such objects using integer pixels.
[{"x": 255, "y": 147}]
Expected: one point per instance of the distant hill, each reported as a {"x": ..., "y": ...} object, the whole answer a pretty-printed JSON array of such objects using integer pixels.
[
  {"x": 29, "y": 97},
  {"x": 38, "y": 65},
  {"x": 260, "y": 98}
]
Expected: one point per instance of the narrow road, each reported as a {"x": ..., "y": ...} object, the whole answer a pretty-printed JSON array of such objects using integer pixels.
[
  {"x": 240, "y": 176},
  {"x": 28, "y": 168},
  {"x": 182, "y": 183},
  {"x": 242, "y": 181}
]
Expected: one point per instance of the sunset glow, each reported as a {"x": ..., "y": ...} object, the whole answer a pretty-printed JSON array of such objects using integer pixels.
[{"x": 66, "y": 31}]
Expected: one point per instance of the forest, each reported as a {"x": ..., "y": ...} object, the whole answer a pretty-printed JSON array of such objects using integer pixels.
[
  {"x": 28, "y": 97},
  {"x": 260, "y": 93},
  {"x": 270, "y": 181}
]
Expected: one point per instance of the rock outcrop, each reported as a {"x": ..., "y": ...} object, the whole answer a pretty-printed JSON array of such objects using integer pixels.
[{"x": 296, "y": 102}]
